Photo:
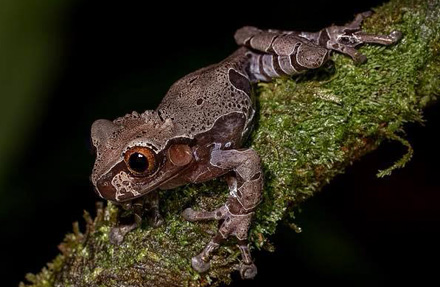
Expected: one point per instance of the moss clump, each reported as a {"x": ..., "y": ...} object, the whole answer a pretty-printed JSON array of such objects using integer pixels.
[{"x": 309, "y": 129}]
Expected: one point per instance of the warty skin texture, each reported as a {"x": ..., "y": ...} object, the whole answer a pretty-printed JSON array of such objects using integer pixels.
[{"x": 197, "y": 132}]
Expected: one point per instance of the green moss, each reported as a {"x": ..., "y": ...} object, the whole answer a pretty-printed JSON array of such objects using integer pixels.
[{"x": 310, "y": 129}]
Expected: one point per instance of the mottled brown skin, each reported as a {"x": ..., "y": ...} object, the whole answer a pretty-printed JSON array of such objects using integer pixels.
[{"x": 197, "y": 132}]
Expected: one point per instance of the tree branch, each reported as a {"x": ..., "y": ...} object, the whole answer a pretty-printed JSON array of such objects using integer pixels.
[{"x": 309, "y": 129}]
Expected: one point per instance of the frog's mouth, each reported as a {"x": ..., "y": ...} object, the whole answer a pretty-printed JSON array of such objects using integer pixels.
[{"x": 119, "y": 185}]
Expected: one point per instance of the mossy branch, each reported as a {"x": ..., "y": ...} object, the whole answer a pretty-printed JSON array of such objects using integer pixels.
[{"x": 310, "y": 129}]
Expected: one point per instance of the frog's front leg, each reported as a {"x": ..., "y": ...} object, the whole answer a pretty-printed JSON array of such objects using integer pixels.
[
  {"x": 245, "y": 184},
  {"x": 148, "y": 203},
  {"x": 118, "y": 232},
  {"x": 151, "y": 207}
]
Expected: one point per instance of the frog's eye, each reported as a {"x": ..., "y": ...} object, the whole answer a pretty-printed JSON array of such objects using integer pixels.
[{"x": 140, "y": 160}]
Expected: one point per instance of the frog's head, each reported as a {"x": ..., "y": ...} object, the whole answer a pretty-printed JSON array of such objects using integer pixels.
[{"x": 135, "y": 155}]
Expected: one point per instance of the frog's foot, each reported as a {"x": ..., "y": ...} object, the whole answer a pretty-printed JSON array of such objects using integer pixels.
[
  {"x": 154, "y": 218},
  {"x": 345, "y": 38},
  {"x": 248, "y": 270},
  {"x": 200, "y": 263},
  {"x": 233, "y": 224},
  {"x": 117, "y": 233}
]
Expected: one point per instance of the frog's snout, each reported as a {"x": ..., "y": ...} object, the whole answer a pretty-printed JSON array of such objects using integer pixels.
[{"x": 105, "y": 190}]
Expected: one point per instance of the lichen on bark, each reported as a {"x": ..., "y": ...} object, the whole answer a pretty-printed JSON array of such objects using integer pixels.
[{"x": 310, "y": 128}]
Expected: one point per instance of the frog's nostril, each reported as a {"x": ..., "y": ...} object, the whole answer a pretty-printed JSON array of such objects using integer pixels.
[{"x": 105, "y": 190}]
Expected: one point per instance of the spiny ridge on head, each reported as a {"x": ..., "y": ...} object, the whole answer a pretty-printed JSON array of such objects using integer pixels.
[{"x": 145, "y": 127}]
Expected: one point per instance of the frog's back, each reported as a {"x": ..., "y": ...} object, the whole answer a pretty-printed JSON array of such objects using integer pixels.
[{"x": 197, "y": 101}]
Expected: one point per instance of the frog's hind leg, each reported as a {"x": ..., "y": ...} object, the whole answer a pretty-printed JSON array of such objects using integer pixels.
[
  {"x": 248, "y": 270},
  {"x": 276, "y": 53},
  {"x": 233, "y": 224},
  {"x": 346, "y": 38}
]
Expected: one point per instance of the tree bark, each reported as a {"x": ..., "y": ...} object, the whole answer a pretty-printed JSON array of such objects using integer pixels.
[{"x": 310, "y": 128}]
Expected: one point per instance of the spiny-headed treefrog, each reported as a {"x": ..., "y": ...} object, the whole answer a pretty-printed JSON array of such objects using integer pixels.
[{"x": 197, "y": 132}]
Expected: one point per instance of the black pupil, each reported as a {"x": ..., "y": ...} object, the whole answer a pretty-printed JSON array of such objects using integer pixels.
[{"x": 138, "y": 162}]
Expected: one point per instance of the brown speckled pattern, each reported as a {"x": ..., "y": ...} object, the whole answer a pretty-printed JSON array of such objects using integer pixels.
[
  {"x": 197, "y": 100},
  {"x": 207, "y": 114}
]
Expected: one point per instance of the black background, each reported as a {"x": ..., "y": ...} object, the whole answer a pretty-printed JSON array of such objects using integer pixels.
[{"x": 119, "y": 57}]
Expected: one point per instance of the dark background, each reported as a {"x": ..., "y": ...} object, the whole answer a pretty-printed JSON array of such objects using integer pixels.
[{"x": 67, "y": 63}]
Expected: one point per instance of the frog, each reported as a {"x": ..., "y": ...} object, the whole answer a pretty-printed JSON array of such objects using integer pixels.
[{"x": 199, "y": 130}]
